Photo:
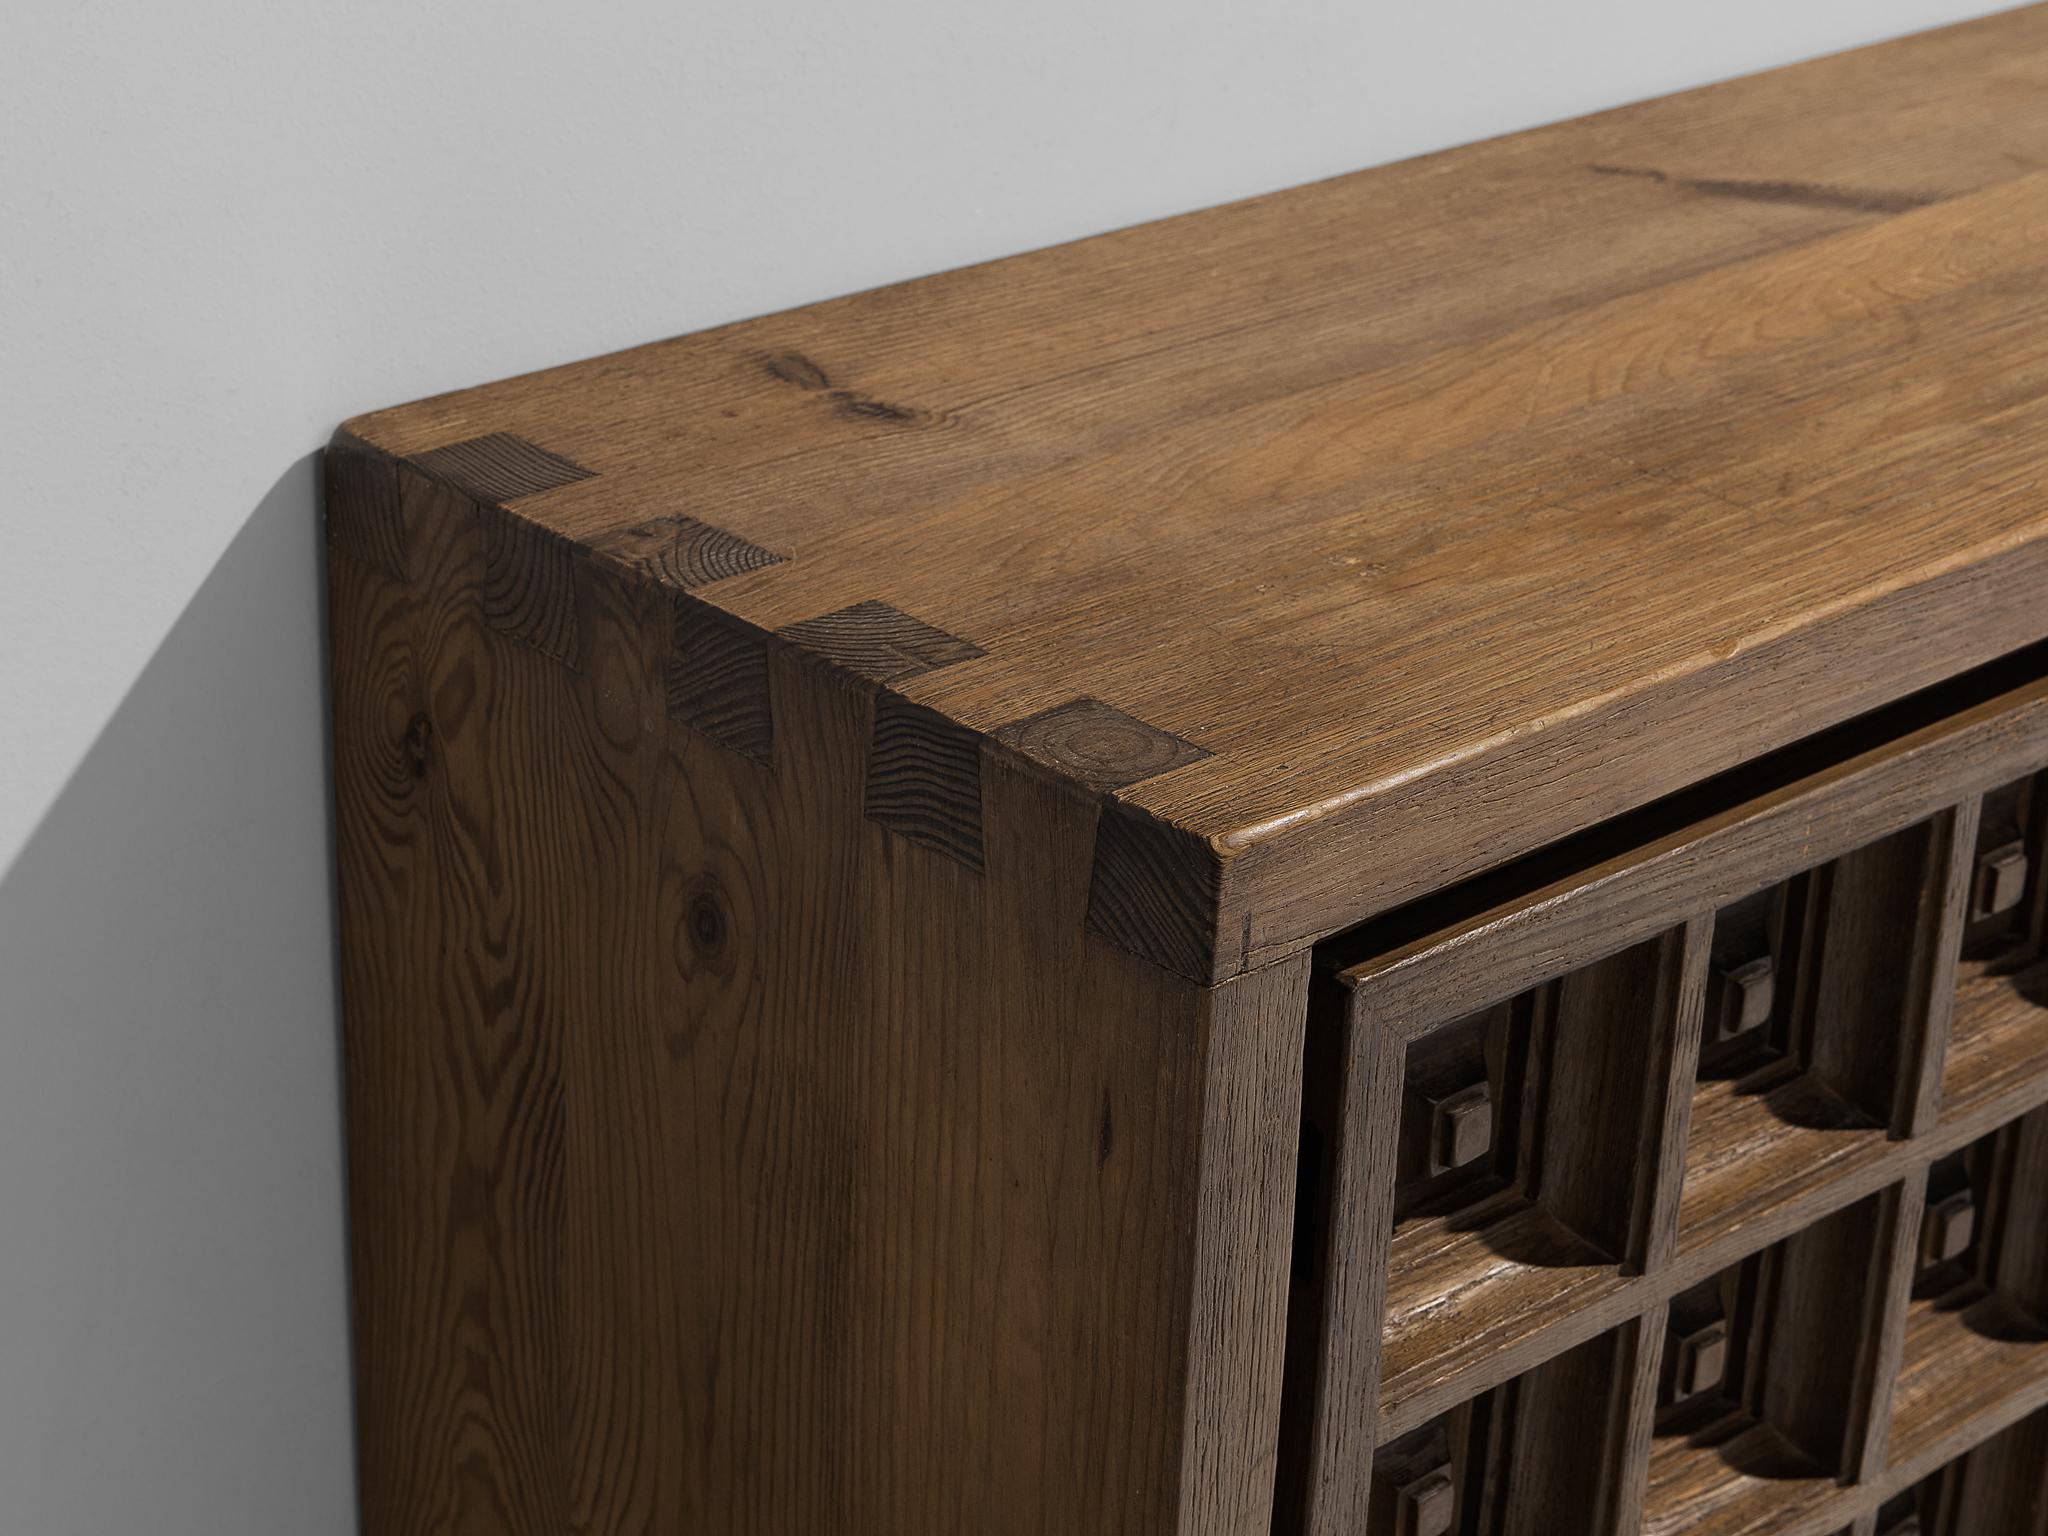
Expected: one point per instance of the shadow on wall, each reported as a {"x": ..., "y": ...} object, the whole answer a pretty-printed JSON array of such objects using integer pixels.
[{"x": 173, "y": 1324}]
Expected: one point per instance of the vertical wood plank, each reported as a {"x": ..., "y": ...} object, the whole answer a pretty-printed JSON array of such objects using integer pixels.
[
  {"x": 1675, "y": 1065},
  {"x": 2003, "y": 1489},
  {"x": 1816, "y": 1380},
  {"x": 1615, "y": 1028},
  {"x": 2036, "y": 918},
  {"x": 2019, "y": 1267},
  {"x": 1355, "y": 1290},
  {"x": 1931, "y": 982},
  {"x": 1571, "y": 1414},
  {"x": 1244, "y": 1212},
  {"x": 1870, "y": 1390},
  {"x": 454, "y": 1063},
  {"x": 1641, "y": 1355},
  {"x": 1873, "y": 981}
]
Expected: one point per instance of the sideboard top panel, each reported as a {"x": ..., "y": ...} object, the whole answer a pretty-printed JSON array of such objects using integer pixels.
[{"x": 1405, "y": 521}]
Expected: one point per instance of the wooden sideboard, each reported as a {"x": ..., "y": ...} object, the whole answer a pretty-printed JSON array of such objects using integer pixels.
[{"x": 1364, "y": 864}]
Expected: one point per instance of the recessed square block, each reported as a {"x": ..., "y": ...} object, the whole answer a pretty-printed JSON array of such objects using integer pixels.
[
  {"x": 1696, "y": 1336},
  {"x": 1464, "y": 1128},
  {"x": 1740, "y": 996},
  {"x": 2004, "y": 913},
  {"x": 1702, "y": 1359},
  {"x": 1957, "y": 1187},
  {"x": 1752, "y": 975},
  {"x": 2001, "y": 881},
  {"x": 1461, "y": 1085},
  {"x": 1415, "y": 1478},
  {"x": 1428, "y": 1505},
  {"x": 1947, "y": 1228}
]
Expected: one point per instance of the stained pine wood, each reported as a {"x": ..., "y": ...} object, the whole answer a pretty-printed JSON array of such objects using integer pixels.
[
  {"x": 1366, "y": 864},
  {"x": 1405, "y": 498},
  {"x": 724, "y": 1160},
  {"x": 1880, "y": 824},
  {"x": 2000, "y": 1486}
]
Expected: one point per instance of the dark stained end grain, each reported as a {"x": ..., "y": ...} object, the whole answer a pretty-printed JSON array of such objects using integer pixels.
[
  {"x": 364, "y": 518},
  {"x": 1155, "y": 890},
  {"x": 924, "y": 779},
  {"x": 682, "y": 552},
  {"x": 718, "y": 680},
  {"x": 1098, "y": 745},
  {"x": 499, "y": 467},
  {"x": 878, "y": 642},
  {"x": 529, "y": 590}
]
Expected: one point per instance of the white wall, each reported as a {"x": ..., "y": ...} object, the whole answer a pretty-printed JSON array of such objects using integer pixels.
[{"x": 223, "y": 227}]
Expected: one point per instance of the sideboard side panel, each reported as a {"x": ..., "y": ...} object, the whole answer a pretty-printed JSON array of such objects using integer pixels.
[{"x": 726, "y": 1157}]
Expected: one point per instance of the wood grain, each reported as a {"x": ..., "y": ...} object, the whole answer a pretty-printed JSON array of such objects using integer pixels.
[
  {"x": 1104, "y": 893},
  {"x": 1930, "y": 986},
  {"x": 679, "y": 551},
  {"x": 716, "y": 680},
  {"x": 1562, "y": 1408},
  {"x": 1819, "y": 1382},
  {"x": 924, "y": 779},
  {"x": 1747, "y": 1481},
  {"x": 1098, "y": 745},
  {"x": 1871, "y": 999},
  {"x": 1354, "y": 1089},
  {"x": 2000, "y": 1489},
  {"x": 2018, "y": 1262},
  {"x": 1153, "y": 890},
  {"x": 1668, "y": 1101},
  {"x": 1966, "y": 1373},
  {"x": 716, "y": 1166},
  {"x": 1897, "y": 1254},
  {"x": 499, "y": 467},
  {"x": 878, "y": 642},
  {"x": 364, "y": 519},
  {"x": 1615, "y": 1029},
  {"x": 529, "y": 586},
  {"x": 1730, "y": 838},
  {"x": 1775, "y": 1157},
  {"x": 1998, "y": 1049},
  {"x": 1451, "y": 507},
  {"x": 1472, "y": 1305}
]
